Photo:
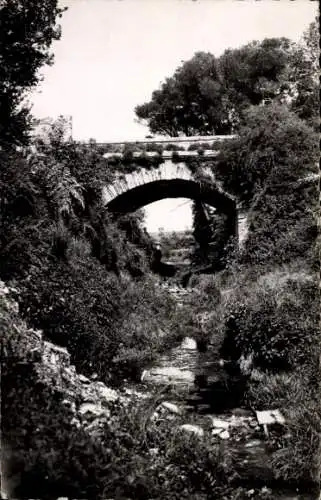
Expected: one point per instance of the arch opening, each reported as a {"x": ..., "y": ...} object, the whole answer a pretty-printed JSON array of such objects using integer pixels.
[{"x": 139, "y": 196}]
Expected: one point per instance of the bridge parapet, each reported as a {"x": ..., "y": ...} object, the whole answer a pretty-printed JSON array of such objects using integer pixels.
[
  {"x": 166, "y": 154},
  {"x": 211, "y": 142}
]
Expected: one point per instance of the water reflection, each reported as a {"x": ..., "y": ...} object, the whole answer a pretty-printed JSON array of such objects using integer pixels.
[
  {"x": 199, "y": 375},
  {"x": 183, "y": 365}
]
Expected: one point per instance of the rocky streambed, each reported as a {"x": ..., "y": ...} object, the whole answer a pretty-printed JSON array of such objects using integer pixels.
[
  {"x": 202, "y": 400},
  {"x": 185, "y": 388}
]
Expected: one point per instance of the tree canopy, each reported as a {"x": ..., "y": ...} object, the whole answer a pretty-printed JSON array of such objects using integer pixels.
[
  {"x": 304, "y": 68},
  {"x": 28, "y": 28},
  {"x": 206, "y": 95},
  {"x": 209, "y": 95}
]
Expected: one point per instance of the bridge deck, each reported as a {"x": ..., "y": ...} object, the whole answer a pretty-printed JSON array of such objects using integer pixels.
[
  {"x": 167, "y": 154},
  {"x": 170, "y": 140}
]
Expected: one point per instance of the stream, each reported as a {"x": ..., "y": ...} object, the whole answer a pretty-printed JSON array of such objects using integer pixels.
[{"x": 204, "y": 392}]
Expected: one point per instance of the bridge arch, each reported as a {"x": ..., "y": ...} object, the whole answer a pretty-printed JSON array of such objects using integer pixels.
[{"x": 170, "y": 180}]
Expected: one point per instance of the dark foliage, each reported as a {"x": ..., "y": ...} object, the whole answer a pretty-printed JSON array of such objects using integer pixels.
[{"x": 27, "y": 30}]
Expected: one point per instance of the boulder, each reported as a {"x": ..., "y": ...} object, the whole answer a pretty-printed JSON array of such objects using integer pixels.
[
  {"x": 194, "y": 429},
  {"x": 104, "y": 392},
  {"x": 171, "y": 407},
  {"x": 89, "y": 410},
  {"x": 83, "y": 379},
  {"x": 220, "y": 424}
]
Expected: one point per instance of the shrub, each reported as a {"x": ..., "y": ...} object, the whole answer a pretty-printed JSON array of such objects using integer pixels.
[
  {"x": 282, "y": 227},
  {"x": 298, "y": 459},
  {"x": 77, "y": 307},
  {"x": 274, "y": 145},
  {"x": 276, "y": 323},
  {"x": 46, "y": 456}
]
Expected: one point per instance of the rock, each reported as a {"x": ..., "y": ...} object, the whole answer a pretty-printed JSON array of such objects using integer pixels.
[
  {"x": 215, "y": 432},
  {"x": 83, "y": 379},
  {"x": 220, "y": 424},
  {"x": 55, "y": 355},
  {"x": 270, "y": 417},
  {"x": 93, "y": 410},
  {"x": 106, "y": 393},
  {"x": 253, "y": 443},
  {"x": 189, "y": 343},
  {"x": 95, "y": 428},
  {"x": 136, "y": 394},
  {"x": 238, "y": 421},
  {"x": 171, "y": 407},
  {"x": 224, "y": 435},
  {"x": 70, "y": 404},
  {"x": 70, "y": 371},
  {"x": 195, "y": 429}
]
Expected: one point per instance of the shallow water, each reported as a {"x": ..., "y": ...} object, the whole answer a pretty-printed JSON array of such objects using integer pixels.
[{"x": 181, "y": 366}]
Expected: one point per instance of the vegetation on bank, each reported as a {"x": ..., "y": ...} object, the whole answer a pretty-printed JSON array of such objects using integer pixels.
[{"x": 83, "y": 278}]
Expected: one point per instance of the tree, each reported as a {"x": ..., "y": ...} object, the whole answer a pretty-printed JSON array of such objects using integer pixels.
[
  {"x": 189, "y": 102},
  {"x": 304, "y": 71},
  {"x": 256, "y": 72},
  {"x": 274, "y": 146},
  {"x": 207, "y": 95},
  {"x": 28, "y": 28}
]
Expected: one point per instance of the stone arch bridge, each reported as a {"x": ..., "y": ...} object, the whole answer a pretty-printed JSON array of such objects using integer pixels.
[{"x": 172, "y": 179}]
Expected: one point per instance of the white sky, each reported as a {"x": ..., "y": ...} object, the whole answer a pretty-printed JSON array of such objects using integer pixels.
[{"x": 114, "y": 53}]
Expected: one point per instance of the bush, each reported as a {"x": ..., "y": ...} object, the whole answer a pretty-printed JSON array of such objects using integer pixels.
[
  {"x": 274, "y": 322},
  {"x": 274, "y": 146},
  {"x": 111, "y": 326},
  {"x": 299, "y": 456},
  {"x": 282, "y": 227},
  {"x": 145, "y": 329},
  {"x": 46, "y": 456},
  {"x": 77, "y": 306}
]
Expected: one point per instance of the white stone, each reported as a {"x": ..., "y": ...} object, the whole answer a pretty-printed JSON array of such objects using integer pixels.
[
  {"x": 215, "y": 432},
  {"x": 83, "y": 379},
  {"x": 171, "y": 407},
  {"x": 92, "y": 409},
  {"x": 224, "y": 435},
  {"x": 189, "y": 343},
  {"x": 269, "y": 417},
  {"x": 253, "y": 443},
  {"x": 195, "y": 429},
  {"x": 220, "y": 424},
  {"x": 107, "y": 393}
]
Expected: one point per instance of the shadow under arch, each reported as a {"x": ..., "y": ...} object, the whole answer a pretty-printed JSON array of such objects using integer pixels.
[{"x": 207, "y": 193}]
